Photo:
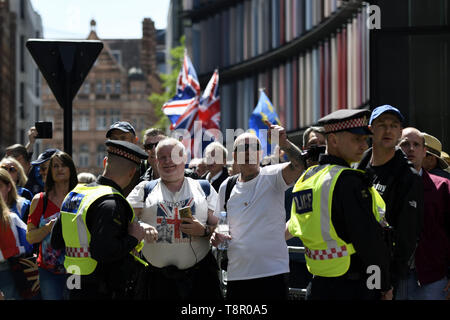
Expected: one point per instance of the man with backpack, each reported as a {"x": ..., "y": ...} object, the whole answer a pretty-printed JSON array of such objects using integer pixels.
[{"x": 180, "y": 211}]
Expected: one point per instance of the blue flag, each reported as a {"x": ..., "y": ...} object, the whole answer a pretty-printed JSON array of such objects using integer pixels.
[{"x": 263, "y": 111}]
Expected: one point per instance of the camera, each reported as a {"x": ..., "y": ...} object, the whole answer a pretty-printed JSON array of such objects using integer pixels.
[
  {"x": 313, "y": 152},
  {"x": 44, "y": 129}
]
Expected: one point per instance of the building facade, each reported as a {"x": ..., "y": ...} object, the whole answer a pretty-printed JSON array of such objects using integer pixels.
[
  {"x": 20, "y": 92},
  {"x": 116, "y": 88},
  {"x": 7, "y": 76},
  {"x": 316, "y": 56},
  {"x": 28, "y": 79}
]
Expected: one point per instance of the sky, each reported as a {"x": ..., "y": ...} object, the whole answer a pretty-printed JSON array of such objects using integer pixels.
[{"x": 120, "y": 19}]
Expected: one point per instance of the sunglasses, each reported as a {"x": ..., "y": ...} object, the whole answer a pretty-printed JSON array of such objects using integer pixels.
[
  {"x": 247, "y": 147},
  {"x": 150, "y": 146},
  {"x": 10, "y": 169}
]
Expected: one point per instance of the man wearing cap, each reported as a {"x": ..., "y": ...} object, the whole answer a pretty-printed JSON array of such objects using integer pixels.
[
  {"x": 124, "y": 131},
  {"x": 434, "y": 162},
  {"x": 398, "y": 183},
  {"x": 429, "y": 276},
  {"x": 98, "y": 228},
  {"x": 339, "y": 217}
]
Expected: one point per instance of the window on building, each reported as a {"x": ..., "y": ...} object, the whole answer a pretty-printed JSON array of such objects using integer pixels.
[
  {"x": 117, "y": 54},
  {"x": 83, "y": 120},
  {"x": 74, "y": 119},
  {"x": 101, "y": 152},
  {"x": 83, "y": 156},
  {"x": 86, "y": 87},
  {"x": 108, "y": 86},
  {"x": 99, "y": 86},
  {"x": 117, "y": 87},
  {"x": 101, "y": 119},
  {"x": 22, "y": 53},
  {"x": 114, "y": 115}
]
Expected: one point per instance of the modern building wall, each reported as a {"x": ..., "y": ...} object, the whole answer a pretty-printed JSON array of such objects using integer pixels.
[
  {"x": 310, "y": 56},
  {"x": 27, "y": 81},
  {"x": 7, "y": 76}
]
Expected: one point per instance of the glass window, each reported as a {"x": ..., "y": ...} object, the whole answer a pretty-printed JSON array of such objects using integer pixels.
[
  {"x": 99, "y": 86},
  {"x": 86, "y": 87},
  {"x": 115, "y": 116},
  {"x": 83, "y": 120},
  {"x": 84, "y": 156},
  {"x": 108, "y": 86},
  {"x": 101, "y": 120},
  {"x": 117, "y": 87},
  {"x": 101, "y": 152}
]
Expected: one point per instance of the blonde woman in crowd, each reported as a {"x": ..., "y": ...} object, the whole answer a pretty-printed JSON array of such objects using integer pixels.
[
  {"x": 17, "y": 173},
  {"x": 15, "y": 203}
]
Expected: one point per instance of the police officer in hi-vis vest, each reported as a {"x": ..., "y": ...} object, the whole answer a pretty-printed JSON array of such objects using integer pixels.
[
  {"x": 339, "y": 217},
  {"x": 97, "y": 227}
]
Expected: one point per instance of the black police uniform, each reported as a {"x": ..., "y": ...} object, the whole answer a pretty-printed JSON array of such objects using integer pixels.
[
  {"x": 352, "y": 218},
  {"x": 107, "y": 220}
]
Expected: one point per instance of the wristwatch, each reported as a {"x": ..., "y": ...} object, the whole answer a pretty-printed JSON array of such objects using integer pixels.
[{"x": 207, "y": 231}]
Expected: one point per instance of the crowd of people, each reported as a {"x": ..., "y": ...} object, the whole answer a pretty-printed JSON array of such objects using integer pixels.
[{"x": 145, "y": 228}]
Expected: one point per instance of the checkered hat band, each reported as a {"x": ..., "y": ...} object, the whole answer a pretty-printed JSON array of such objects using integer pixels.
[
  {"x": 326, "y": 254},
  {"x": 83, "y": 252},
  {"x": 124, "y": 154},
  {"x": 344, "y": 125}
]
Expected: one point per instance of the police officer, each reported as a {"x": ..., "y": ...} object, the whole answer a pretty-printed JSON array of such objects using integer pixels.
[
  {"x": 338, "y": 215},
  {"x": 98, "y": 230}
]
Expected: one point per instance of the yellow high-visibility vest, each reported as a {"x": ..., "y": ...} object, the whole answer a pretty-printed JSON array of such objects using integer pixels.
[
  {"x": 326, "y": 254},
  {"x": 74, "y": 228}
]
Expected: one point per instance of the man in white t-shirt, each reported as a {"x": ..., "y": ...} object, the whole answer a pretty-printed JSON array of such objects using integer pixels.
[
  {"x": 258, "y": 260},
  {"x": 181, "y": 264}
]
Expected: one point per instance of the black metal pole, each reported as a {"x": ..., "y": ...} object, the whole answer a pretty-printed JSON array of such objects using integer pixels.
[{"x": 68, "y": 118}]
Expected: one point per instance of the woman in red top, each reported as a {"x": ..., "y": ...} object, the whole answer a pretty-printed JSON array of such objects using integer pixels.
[{"x": 45, "y": 209}]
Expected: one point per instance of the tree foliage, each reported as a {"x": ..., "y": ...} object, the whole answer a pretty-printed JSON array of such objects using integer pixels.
[{"x": 169, "y": 81}]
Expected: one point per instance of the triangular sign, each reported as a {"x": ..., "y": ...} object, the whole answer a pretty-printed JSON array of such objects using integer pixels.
[{"x": 64, "y": 64}]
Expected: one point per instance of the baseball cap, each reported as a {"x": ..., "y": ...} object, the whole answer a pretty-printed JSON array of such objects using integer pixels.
[
  {"x": 44, "y": 156},
  {"x": 122, "y": 126},
  {"x": 378, "y": 111}
]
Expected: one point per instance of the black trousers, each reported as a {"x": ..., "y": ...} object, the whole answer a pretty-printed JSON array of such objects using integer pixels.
[
  {"x": 273, "y": 288},
  {"x": 199, "y": 283},
  {"x": 340, "y": 288}
]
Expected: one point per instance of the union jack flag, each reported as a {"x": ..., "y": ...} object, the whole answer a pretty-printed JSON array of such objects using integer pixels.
[
  {"x": 209, "y": 106},
  {"x": 202, "y": 116},
  {"x": 188, "y": 91}
]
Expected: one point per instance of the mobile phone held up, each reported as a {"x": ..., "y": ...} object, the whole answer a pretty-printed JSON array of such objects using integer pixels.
[
  {"x": 185, "y": 213},
  {"x": 44, "y": 129}
]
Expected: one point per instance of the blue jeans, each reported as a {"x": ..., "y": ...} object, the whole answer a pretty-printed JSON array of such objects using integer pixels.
[
  {"x": 409, "y": 289},
  {"x": 7, "y": 285},
  {"x": 53, "y": 286}
]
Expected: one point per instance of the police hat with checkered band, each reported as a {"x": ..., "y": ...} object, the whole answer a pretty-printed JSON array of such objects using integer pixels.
[
  {"x": 354, "y": 121},
  {"x": 126, "y": 150}
]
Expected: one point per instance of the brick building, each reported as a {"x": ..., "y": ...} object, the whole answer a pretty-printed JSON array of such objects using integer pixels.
[{"x": 116, "y": 88}]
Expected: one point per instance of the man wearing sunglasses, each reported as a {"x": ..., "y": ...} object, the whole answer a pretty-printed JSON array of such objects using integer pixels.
[
  {"x": 151, "y": 139},
  {"x": 258, "y": 260}
]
